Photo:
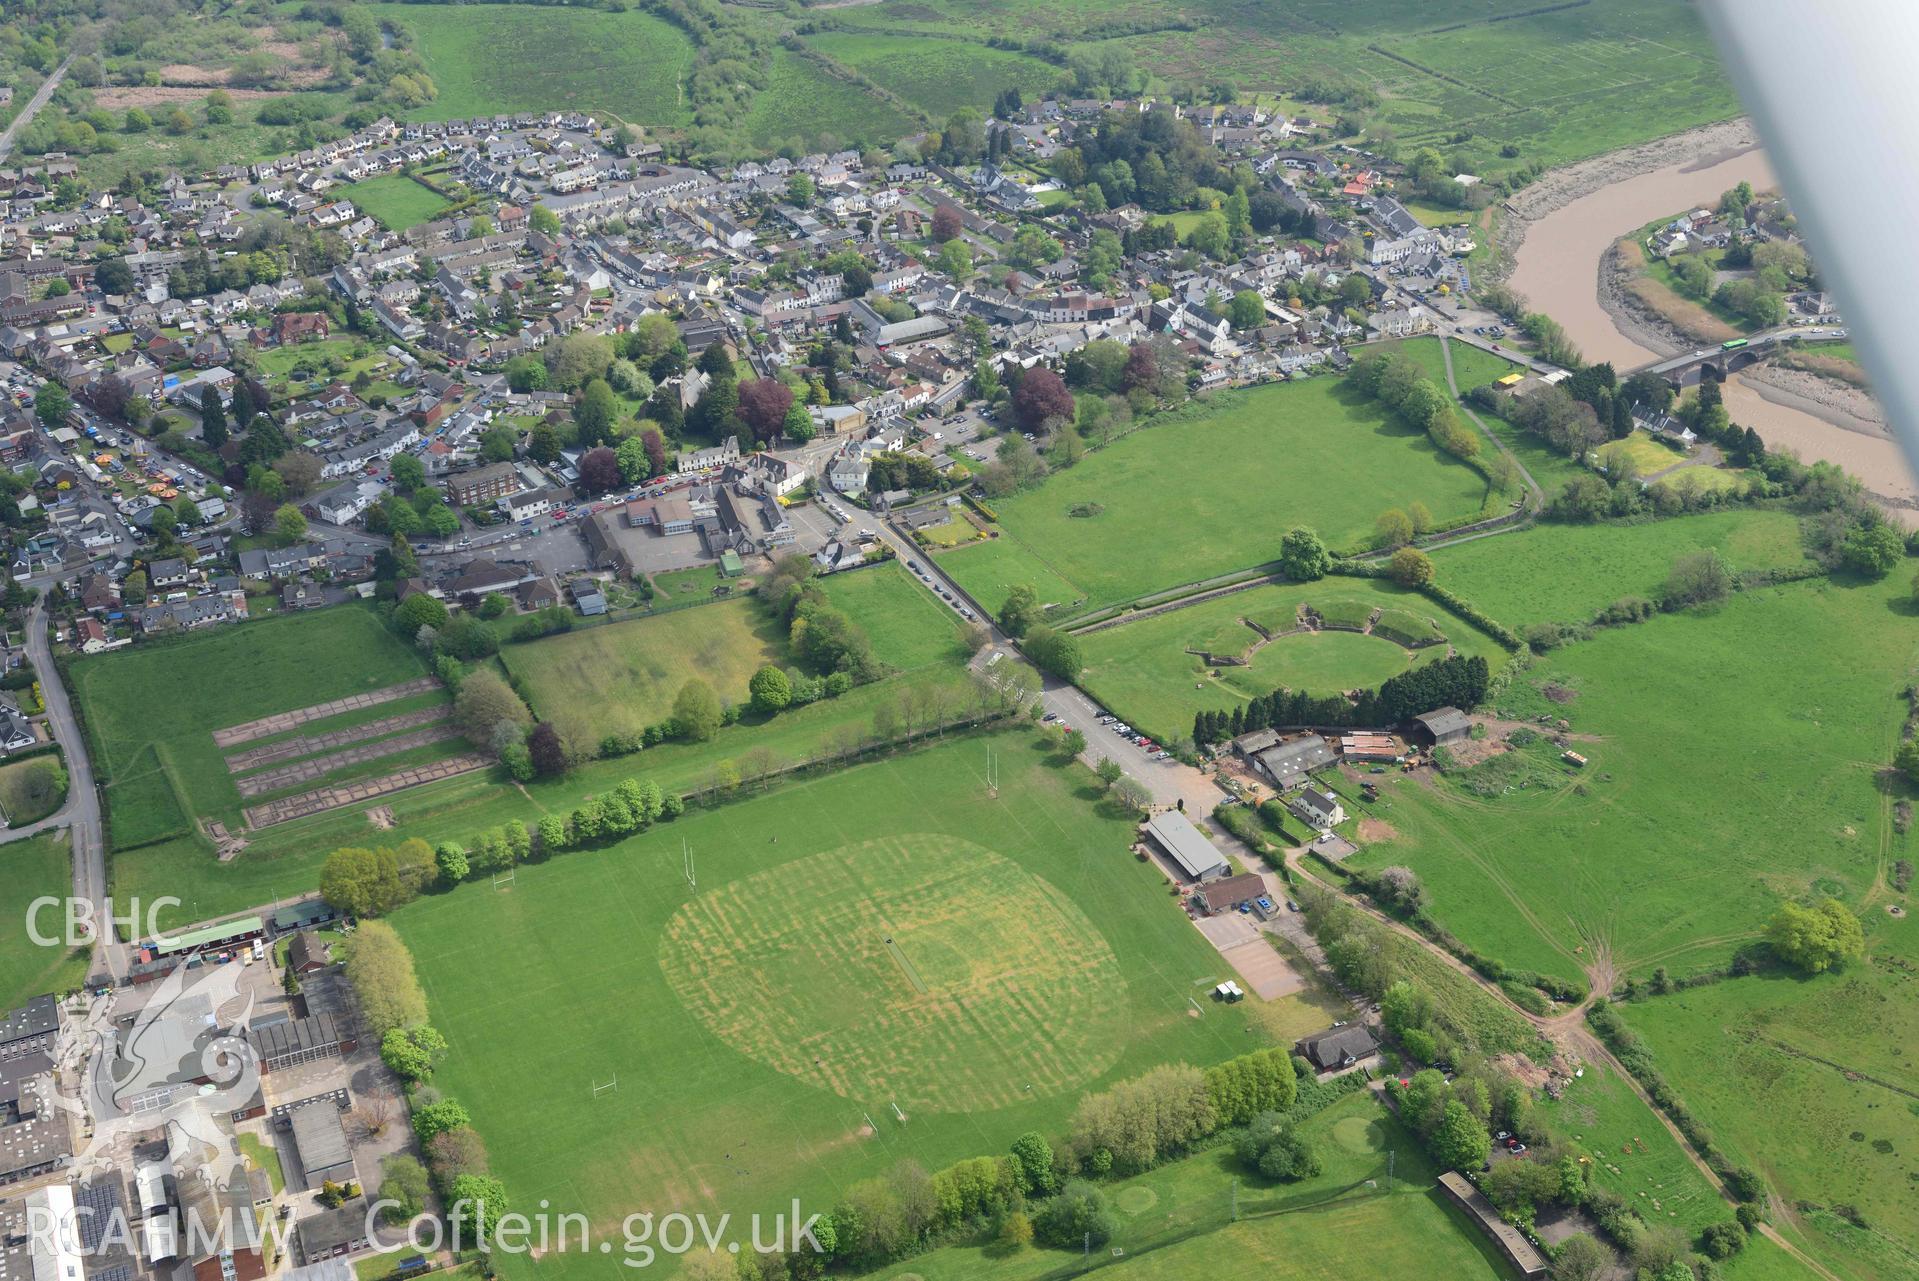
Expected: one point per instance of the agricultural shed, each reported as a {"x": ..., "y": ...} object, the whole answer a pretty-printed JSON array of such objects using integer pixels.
[
  {"x": 1288, "y": 764},
  {"x": 1186, "y": 845},
  {"x": 1444, "y": 725}
]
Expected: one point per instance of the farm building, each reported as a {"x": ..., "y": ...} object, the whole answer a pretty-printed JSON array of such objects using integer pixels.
[
  {"x": 1362, "y": 746},
  {"x": 1321, "y": 809},
  {"x": 1226, "y": 894},
  {"x": 1250, "y": 744},
  {"x": 1339, "y": 1047},
  {"x": 321, "y": 1141},
  {"x": 1291, "y": 763},
  {"x": 1444, "y": 725},
  {"x": 1186, "y": 845}
]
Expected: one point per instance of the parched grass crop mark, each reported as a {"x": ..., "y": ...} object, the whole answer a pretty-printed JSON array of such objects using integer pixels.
[{"x": 794, "y": 967}]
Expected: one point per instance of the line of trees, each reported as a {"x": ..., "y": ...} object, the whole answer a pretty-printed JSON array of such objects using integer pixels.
[
  {"x": 1397, "y": 380},
  {"x": 1455, "y": 681},
  {"x": 380, "y": 969},
  {"x": 1046, "y": 1191}
]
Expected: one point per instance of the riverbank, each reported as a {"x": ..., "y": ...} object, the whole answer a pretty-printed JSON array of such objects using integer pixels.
[
  {"x": 1562, "y": 236},
  {"x": 1708, "y": 146}
]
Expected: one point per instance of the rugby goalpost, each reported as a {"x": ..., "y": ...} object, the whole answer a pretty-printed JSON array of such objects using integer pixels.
[
  {"x": 992, "y": 774},
  {"x": 606, "y": 1087},
  {"x": 686, "y": 864},
  {"x": 503, "y": 880}
]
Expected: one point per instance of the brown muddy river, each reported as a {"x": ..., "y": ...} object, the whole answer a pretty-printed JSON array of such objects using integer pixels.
[{"x": 1557, "y": 269}]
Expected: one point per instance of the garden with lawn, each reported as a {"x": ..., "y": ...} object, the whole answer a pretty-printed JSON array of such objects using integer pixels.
[{"x": 396, "y": 201}]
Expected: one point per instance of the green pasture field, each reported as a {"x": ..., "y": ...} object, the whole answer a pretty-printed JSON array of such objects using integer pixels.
[
  {"x": 396, "y": 201},
  {"x": 939, "y": 76},
  {"x": 992, "y": 567},
  {"x": 1190, "y": 499},
  {"x": 734, "y": 1097},
  {"x": 37, "y": 867},
  {"x": 1176, "y": 1221},
  {"x": 1732, "y": 757},
  {"x": 802, "y": 104},
  {"x": 27, "y": 792},
  {"x": 1568, "y": 573},
  {"x": 1832, "y": 1059},
  {"x": 1142, "y": 670},
  {"x": 508, "y": 58},
  {"x": 909, "y": 626},
  {"x": 202, "y": 148},
  {"x": 151, "y": 710},
  {"x": 1474, "y": 367},
  {"x": 622, "y": 677},
  {"x": 1637, "y": 1156},
  {"x": 1559, "y": 83}
]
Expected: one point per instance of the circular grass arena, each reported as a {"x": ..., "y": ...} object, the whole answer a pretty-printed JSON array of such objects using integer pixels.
[
  {"x": 1325, "y": 661},
  {"x": 920, "y": 970}
]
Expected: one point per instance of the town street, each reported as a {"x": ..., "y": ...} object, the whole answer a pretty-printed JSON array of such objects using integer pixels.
[{"x": 80, "y": 816}]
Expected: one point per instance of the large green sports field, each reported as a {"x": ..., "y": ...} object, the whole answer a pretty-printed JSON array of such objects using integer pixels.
[
  {"x": 911, "y": 636},
  {"x": 622, "y": 677},
  {"x": 1146, "y": 671},
  {"x": 1198, "y": 497},
  {"x": 1832, "y": 1056},
  {"x": 762, "y": 1026},
  {"x": 37, "y": 867},
  {"x": 1733, "y": 760},
  {"x": 150, "y": 711},
  {"x": 489, "y": 59}
]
